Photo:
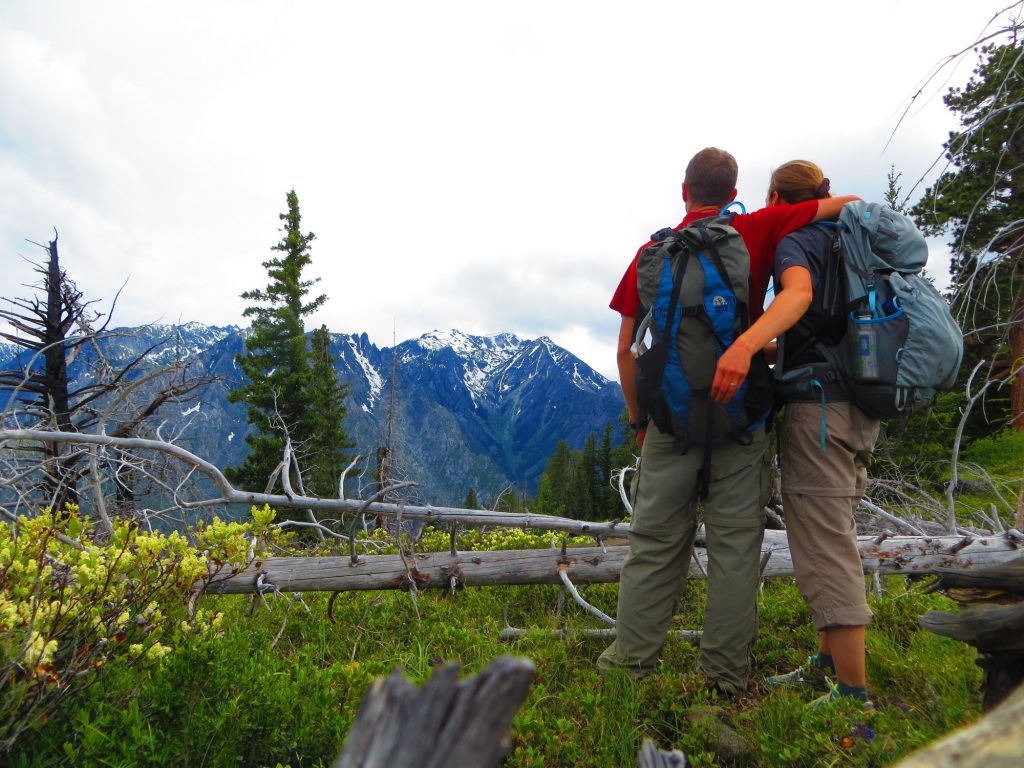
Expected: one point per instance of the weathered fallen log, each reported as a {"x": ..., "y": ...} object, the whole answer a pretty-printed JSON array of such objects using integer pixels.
[
  {"x": 444, "y": 723},
  {"x": 584, "y": 565},
  {"x": 995, "y": 741},
  {"x": 989, "y": 628},
  {"x": 991, "y": 618},
  {"x": 1006, "y": 579},
  {"x": 997, "y": 631}
]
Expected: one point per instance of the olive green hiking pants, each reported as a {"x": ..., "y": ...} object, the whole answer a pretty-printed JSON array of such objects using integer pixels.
[{"x": 661, "y": 538}]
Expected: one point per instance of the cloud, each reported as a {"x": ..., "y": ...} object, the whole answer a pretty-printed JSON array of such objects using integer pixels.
[{"x": 463, "y": 165}]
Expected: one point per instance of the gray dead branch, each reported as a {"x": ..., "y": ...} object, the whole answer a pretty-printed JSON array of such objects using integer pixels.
[
  {"x": 894, "y": 555},
  {"x": 228, "y": 494},
  {"x": 443, "y": 723}
]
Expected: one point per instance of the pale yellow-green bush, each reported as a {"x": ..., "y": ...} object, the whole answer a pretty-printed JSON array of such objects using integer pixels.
[
  {"x": 70, "y": 605},
  {"x": 474, "y": 539}
]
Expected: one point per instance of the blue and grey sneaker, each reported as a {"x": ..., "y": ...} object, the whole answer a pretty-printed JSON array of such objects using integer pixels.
[
  {"x": 811, "y": 673},
  {"x": 834, "y": 694}
]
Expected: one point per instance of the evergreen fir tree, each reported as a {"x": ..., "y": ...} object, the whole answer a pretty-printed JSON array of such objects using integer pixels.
[
  {"x": 561, "y": 473},
  {"x": 471, "y": 502},
  {"x": 893, "y": 191},
  {"x": 578, "y": 484},
  {"x": 608, "y": 497},
  {"x": 980, "y": 205},
  {"x": 546, "y": 503},
  {"x": 587, "y": 482},
  {"x": 276, "y": 360},
  {"x": 326, "y": 450}
]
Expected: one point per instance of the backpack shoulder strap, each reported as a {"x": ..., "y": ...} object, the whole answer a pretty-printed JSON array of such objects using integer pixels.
[{"x": 830, "y": 297}]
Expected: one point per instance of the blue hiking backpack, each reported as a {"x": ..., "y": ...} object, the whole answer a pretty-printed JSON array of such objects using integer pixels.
[
  {"x": 898, "y": 344},
  {"x": 694, "y": 288}
]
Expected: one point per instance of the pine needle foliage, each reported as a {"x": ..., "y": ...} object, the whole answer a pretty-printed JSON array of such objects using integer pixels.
[
  {"x": 977, "y": 203},
  {"x": 276, "y": 362}
]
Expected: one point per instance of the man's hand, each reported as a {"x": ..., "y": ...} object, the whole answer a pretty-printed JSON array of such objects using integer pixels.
[{"x": 732, "y": 369}]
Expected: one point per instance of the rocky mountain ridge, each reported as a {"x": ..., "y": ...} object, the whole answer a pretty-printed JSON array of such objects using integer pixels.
[{"x": 462, "y": 411}]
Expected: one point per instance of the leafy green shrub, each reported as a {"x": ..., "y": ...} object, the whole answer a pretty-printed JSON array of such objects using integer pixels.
[
  {"x": 73, "y": 607},
  {"x": 1001, "y": 454}
]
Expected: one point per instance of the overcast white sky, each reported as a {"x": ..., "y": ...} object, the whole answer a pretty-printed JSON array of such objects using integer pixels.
[{"x": 482, "y": 166}]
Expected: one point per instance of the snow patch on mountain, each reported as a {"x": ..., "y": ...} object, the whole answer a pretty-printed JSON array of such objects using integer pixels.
[
  {"x": 502, "y": 362},
  {"x": 372, "y": 375}
]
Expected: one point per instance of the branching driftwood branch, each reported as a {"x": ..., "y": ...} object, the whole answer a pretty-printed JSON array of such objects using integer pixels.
[{"x": 230, "y": 495}]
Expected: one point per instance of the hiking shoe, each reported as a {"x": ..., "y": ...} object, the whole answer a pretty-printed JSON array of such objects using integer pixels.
[
  {"x": 811, "y": 673},
  {"x": 834, "y": 695}
]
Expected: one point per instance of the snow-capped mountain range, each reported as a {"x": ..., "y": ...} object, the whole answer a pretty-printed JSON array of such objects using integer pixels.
[{"x": 481, "y": 412}]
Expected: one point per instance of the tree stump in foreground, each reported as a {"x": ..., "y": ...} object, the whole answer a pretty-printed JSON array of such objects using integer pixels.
[
  {"x": 652, "y": 757},
  {"x": 444, "y": 723}
]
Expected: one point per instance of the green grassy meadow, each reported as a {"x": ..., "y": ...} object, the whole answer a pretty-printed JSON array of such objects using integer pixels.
[{"x": 278, "y": 684}]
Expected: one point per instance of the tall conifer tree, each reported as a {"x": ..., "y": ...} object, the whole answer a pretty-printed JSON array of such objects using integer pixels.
[{"x": 276, "y": 359}]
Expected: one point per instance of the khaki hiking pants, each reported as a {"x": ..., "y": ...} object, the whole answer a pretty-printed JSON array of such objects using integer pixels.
[
  {"x": 661, "y": 540},
  {"x": 820, "y": 493}
]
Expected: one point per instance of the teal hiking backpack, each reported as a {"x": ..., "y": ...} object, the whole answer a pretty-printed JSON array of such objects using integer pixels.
[
  {"x": 899, "y": 345},
  {"x": 694, "y": 289}
]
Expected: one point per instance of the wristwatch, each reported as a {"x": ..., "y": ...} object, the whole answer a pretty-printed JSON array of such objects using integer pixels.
[{"x": 636, "y": 426}]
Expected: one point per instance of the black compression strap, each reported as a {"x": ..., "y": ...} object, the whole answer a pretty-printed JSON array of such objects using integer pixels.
[
  {"x": 677, "y": 284},
  {"x": 712, "y": 249}
]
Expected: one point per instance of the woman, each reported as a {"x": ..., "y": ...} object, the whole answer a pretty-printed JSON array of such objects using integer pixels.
[{"x": 825, "y": 446}]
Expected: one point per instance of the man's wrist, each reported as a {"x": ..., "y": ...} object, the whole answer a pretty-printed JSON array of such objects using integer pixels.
[{"x": 639, "y": 424}]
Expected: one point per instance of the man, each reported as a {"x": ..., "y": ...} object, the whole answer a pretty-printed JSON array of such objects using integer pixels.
[{"x": 664, "y": 519}]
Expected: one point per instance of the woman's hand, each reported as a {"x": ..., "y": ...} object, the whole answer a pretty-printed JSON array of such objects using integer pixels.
[{"x": 732, "y": 369}]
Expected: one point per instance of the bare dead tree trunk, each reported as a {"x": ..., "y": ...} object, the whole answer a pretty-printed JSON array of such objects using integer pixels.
[
  {"x": 61, "y": 489},
  {"x": 1016, "y": 359}
]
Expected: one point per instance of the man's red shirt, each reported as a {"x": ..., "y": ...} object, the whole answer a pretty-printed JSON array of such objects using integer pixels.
[{"x": 761, "y": 232}]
